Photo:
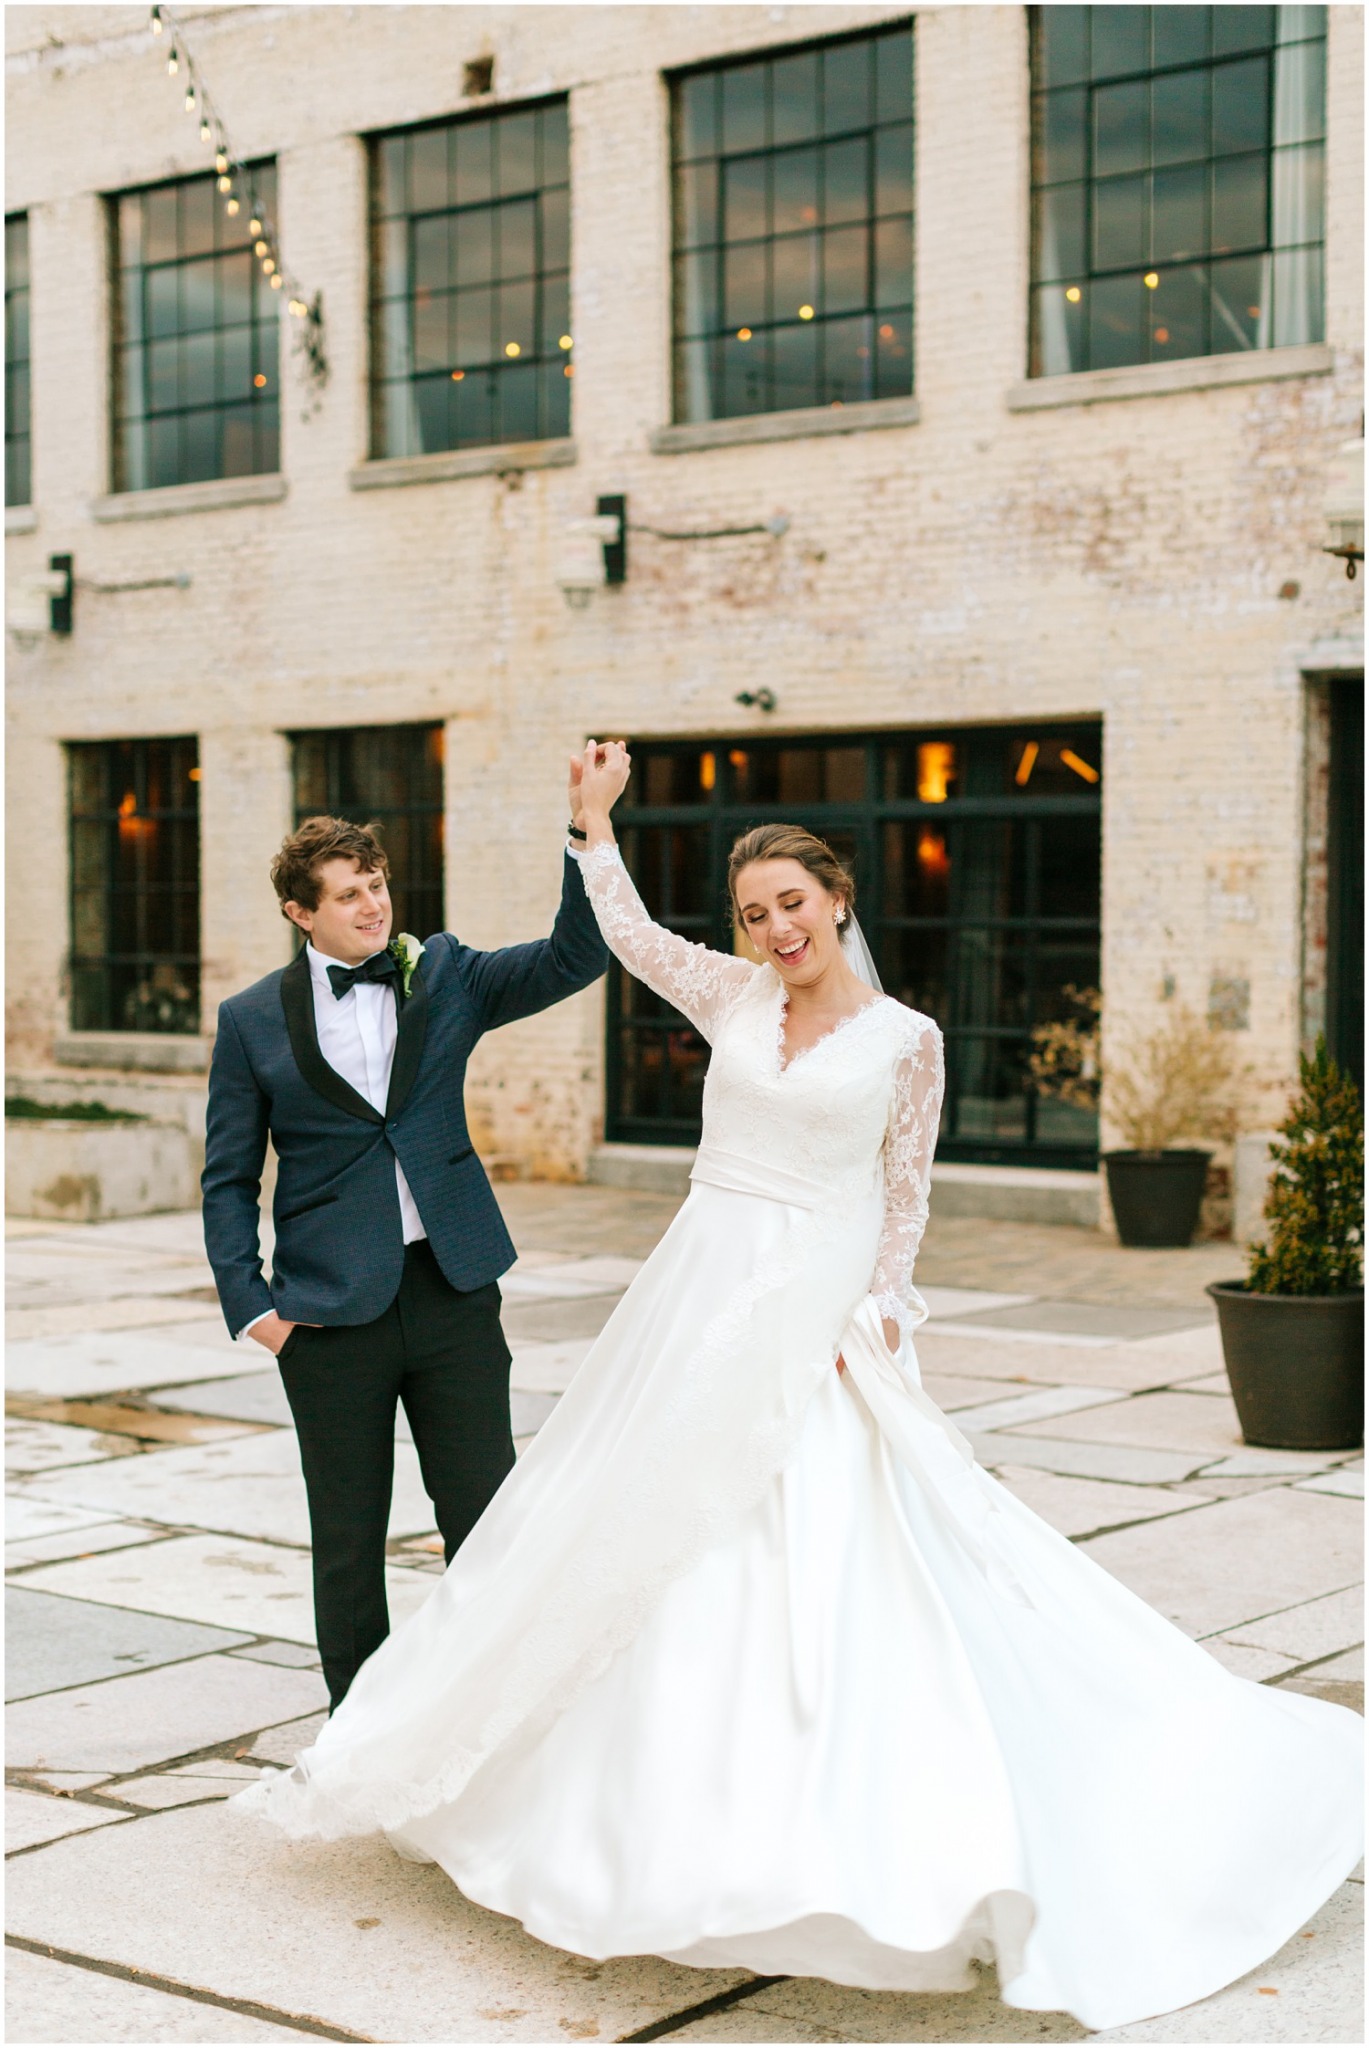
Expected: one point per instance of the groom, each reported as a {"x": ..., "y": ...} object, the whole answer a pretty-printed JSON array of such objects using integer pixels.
[{"x": 389, "y": 1242}]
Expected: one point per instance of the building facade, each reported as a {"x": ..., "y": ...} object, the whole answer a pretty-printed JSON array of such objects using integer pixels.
[{"x": 959, "y": 391}]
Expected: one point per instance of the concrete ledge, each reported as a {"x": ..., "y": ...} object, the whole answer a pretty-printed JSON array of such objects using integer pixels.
[
  {"x": 20, "y": 518},
  {"x": 1007, "y": 1194},
  {"x": 152, "y": 1052},
  {"x": 215, "y": 494},
  {"x": 1016, "y": 1194},
  {"x": 87, "y": 1172},
  {"x": 1149, "y": 380},
  {"x": 392, "y": 471},
  {"x": 787, "y": 426},
  {"x": 650, "y": 1169}
]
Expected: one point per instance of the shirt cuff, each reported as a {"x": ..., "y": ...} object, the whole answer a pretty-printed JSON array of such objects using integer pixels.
[
  {"x": 238, "y": 1335},
  {"x": 573, "y": 850}
]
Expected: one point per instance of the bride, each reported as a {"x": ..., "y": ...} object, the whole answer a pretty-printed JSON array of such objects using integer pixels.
[{"x": 748, "y": 1664}]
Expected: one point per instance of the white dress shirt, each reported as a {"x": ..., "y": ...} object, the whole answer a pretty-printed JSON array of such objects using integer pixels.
[{"x": 356, "y": 1035}]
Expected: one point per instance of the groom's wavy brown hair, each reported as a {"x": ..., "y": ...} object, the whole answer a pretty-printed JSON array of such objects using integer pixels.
[
  {"x": 791, "y": 842},
  {"x": 295, "y": 869}
]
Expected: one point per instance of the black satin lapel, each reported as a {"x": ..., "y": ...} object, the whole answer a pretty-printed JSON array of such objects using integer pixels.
[
  {"x": 297, "y": 1001},
  {"x": 413, "y": 1030}
]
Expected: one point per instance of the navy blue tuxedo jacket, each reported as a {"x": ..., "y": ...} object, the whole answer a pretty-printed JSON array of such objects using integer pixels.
[{"x": 339, "y": 1237}]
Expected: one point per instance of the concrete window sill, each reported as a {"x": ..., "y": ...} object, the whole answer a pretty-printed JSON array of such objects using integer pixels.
[
  {"x": 1150, "y": 380},
  {"x": 799, "y": 425},
  {"x": 216, "y": 494},
  {"x": 133, "y": 1051},
  {"x": 20, "y": 518},
  {"x": 393, "y": 471}
]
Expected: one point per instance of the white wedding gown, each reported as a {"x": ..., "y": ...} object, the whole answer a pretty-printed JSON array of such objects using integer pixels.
[{"x": 748, "y": 1664}]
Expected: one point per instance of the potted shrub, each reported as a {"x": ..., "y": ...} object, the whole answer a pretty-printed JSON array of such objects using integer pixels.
[
  {"x": 1293, "y": 1329},
  {"x": 1174, "y": 1083}
]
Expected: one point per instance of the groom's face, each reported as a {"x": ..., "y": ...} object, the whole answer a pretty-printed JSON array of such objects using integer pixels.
[{"x": 354, "y": 915}]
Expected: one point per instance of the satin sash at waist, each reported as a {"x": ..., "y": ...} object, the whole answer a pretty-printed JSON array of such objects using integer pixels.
[{"x": 716, "y": 1168}]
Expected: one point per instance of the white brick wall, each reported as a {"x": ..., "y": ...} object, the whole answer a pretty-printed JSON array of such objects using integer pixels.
[{"x": 1120, "y": 559}]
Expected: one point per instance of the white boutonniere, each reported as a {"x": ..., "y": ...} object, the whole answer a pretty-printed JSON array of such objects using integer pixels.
[{"x": 408, "y": 951}]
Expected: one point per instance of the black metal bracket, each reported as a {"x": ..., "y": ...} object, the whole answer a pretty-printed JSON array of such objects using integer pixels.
[
  {"x": 614, "y": 506},
  {"x": 62, "y": 603}
]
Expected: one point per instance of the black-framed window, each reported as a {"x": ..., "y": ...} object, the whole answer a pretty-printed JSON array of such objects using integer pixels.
[
  {"x": 135, "y": 884},
  {"x": 793, "y": 202},
  {"x": 196, "y": 335},
  {"x": 389, "y": 776},
  {"x": 1177, "y": 170},
  {"x": 977, "y": 856},
  {"x": 471, "y": 340},
  {"x": 18, "y": 440}
]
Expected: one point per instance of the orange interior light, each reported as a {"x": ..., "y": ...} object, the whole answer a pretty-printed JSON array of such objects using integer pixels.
[
  {"x": 935, "y": 770},
  {"x": 1027, "y": 763},
  {"x": 1080, "y": 767}
]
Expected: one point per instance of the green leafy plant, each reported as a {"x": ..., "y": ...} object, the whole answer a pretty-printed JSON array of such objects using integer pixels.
[
  {"x": 1064, "y": 1058},
  {"x": 73, "y": 1112},
  {"x": 1315, "y": 1205},
  {"x": 1174, "y": 1082}
]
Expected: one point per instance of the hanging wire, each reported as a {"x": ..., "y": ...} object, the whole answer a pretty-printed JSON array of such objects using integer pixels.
[{"x": 236, "y": 184}]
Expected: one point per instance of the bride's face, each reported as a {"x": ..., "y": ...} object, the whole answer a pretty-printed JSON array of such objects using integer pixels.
[{"x": 790, "y": 918}]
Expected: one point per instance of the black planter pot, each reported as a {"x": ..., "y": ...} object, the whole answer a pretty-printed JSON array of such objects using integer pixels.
[
  {"x": 1296, "y": 1366},
  {"x": 1156, "y": 1196}
]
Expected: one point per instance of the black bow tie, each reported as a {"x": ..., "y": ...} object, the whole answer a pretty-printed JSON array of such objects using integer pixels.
[{"x": 380, "y": 967}]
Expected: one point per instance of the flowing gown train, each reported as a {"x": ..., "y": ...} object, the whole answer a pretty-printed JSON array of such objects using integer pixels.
[{"x": 749, "y": 1664}]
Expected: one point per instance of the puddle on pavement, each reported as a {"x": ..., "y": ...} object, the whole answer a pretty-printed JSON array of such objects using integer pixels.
[{"x": 121, "y": 1420}]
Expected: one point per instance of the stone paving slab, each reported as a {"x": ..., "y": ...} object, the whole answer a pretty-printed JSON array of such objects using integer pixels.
[
  {"x": 1035, "y": 1359},
  {"x": 1253, "y": 1461},
  {"x": 54, "y": 1643},
  {"x": 1042, "y": 1403},
  {"x": 111, "y": 1361},
  {"x": 249, "y": 1487},
  {"x": 553, "y": 1322},
  {"x": 1168, "y": 1421},
  {"x": 254, "y": 1588},
  {"x": 46, "y": 2000},
  {"x": 84, "y": 1542},
  {"x": 568, "y": 1278},
  {"x": 547, "y": 1368},
  {"x": 25, "y": 1325},
  {"x": 946, "y": 1302},
  {"x": 218, "y": 1778},
  {"x": 33, "y": 1817},
  {"x": 1317, "y": 1628},
  {"x": 27, "y": 1518},
  {"x": 1086, "y": 1507},
  {"x": 1092, "y": 1319},
  {"x": 1239, "y": 1560},
  {"x": 382, "y": 1947},
  {"x": 282, "y": 1745},
  {"x": 1067, "y": 1262},
  {"x": 131, "y": 1724},
  {"x": 1128, "y": 1464},
  {"x": 1348, "y": 1484},
  {"x": 835, "y": 2012},
  {"x": 49, "y": 1446}
]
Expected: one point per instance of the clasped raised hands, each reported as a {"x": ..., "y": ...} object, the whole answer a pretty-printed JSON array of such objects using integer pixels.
[{"x": 598, "y": 778}]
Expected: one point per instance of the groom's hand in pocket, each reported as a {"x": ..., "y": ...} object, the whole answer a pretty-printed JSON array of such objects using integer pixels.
[{"x": 273, "y": 1330}]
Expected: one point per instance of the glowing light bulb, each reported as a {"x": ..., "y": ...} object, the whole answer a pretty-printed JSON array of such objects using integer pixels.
[
  {"x": 205, "y": 131},
  {"x": 173, "y": 62},
  {"x": 458, "y": 376},
  {"x": 232, "y": 206},
  {"x": 1073, "y": 294},
  {"x": 190, "y": 99},
  {"x": 511, "y": 348},
  {"x": 259, "y": 380},
  {"x": 1151, "y": 280},
  {"x": 261, "y": 248},
  {"x": 225, "y": 183},
  {"x": 254, "y": 228},
  {"x": 805, "y": 312},
  {"x": 743, "y": 334},
  {"x": 267, "y": 265},
  {"x": 221, "y": 160},
  {"x": 277, "y": 281},
  {"x": 565, "y": 342},
  {"x": 157, "y": 21}
]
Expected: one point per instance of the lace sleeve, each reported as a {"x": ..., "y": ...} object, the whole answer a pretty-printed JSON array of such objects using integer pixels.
[
  {"x": 919, "y": 1080},
  {"x": 701, "y": 983}
]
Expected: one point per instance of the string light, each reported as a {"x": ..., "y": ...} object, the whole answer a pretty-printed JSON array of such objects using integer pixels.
[{"x": 229, "y": 172}]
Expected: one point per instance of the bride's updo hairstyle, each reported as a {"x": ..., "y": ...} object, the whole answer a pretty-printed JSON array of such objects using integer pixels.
[{"x": 791, "y": 842}]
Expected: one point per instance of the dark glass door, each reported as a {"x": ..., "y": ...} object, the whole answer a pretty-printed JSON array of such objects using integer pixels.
[
  {"x": 1345, "y": 879},
  {"x": 977, "y": 858}
]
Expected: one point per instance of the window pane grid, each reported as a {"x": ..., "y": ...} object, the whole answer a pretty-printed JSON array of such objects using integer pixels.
[
  {"x": 18, "y": 444},
  {"x": 1177, "y": 163},
  {"x": 135, "y": 885},
  {"x": 390, "y": 776},
  {"x": 978, "y": 859},
  {"x": 793, "y": 229},
  {"x": 196, "y": 337},
  {"x": 470, "y": 270}
]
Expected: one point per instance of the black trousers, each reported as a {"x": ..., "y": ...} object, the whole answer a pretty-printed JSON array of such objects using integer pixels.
[{"x": 441, "y": 1353}]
